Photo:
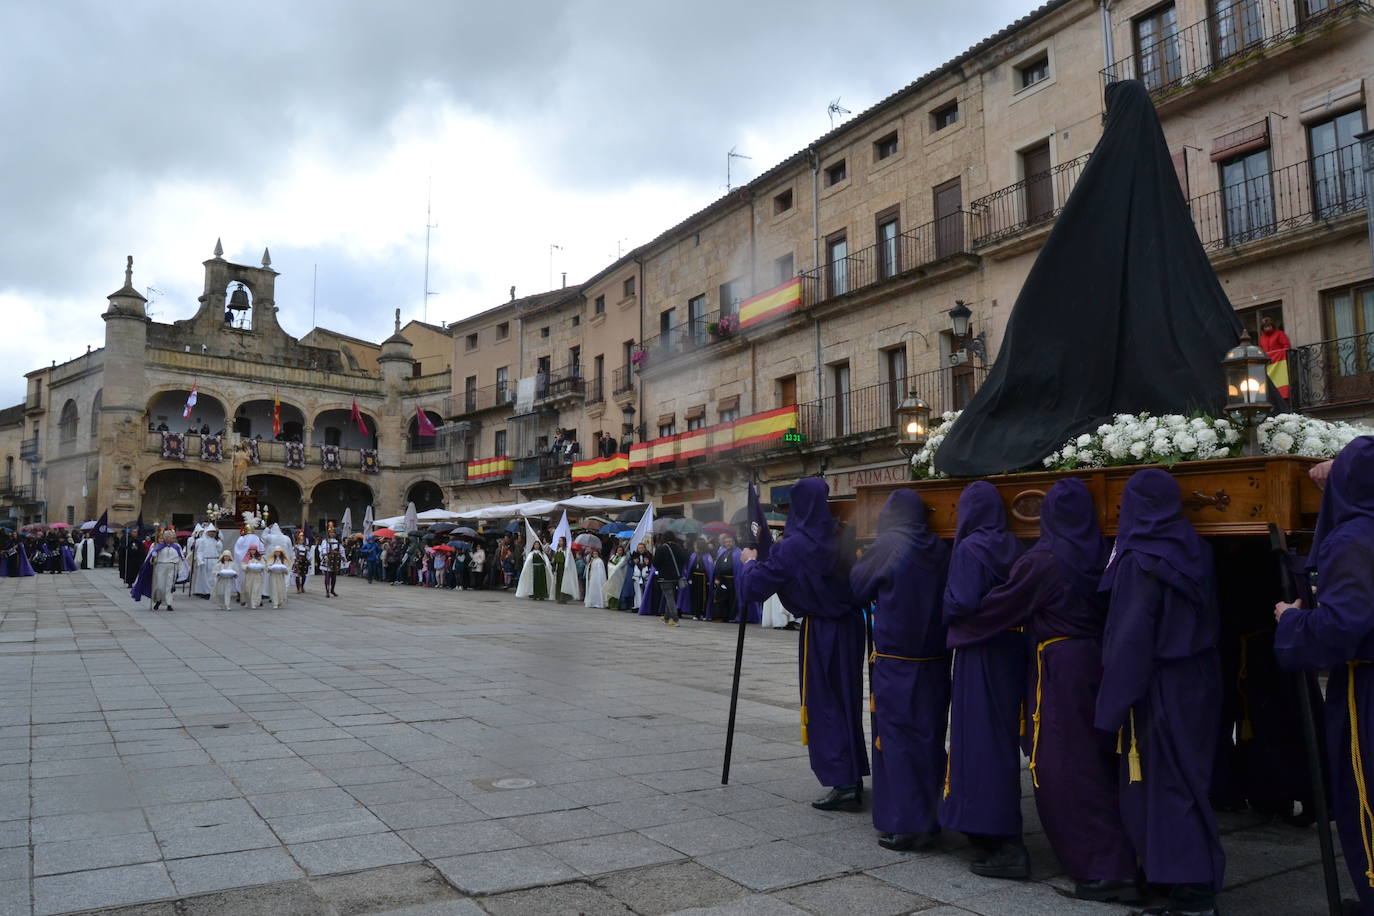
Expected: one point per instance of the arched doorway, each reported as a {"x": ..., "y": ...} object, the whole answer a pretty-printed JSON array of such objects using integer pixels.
[
  {"x": 253, "y": 420},
  {"x": 329, "y": 500},
  {"x": 281, "y": 496},
  {"x": 167, "y": 407},
  {"x": 418, "y": 443},
  {"x": 337, "y": 427},
  {"x": 425, "y": 495},
  {"x": 178, "y": 496}
]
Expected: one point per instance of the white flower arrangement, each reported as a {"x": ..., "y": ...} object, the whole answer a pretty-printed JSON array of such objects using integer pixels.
[
  {"x": 1295, "y": 434},
  {"x": 923, "y": 462}
]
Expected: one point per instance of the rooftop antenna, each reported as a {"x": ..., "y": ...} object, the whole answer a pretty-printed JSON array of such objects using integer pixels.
[
  {"x": 149, "y": 292},
  {"x": 552, "y": 249},
  {"x": 429, "y": 200},
  {"x": 730, "y": 157},
  {"x": 835, "y": 108}
]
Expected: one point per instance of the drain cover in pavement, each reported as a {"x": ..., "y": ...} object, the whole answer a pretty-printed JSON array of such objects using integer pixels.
[{"x": 505, "y": 784}]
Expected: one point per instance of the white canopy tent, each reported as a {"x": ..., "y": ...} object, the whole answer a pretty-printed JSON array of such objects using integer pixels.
[
  {"x": 587, "y": 503},
  {"x": 510, "y": 510}
]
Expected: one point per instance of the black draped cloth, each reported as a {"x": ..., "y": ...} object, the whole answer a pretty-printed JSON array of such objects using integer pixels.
[{"x": 1121, "y": 312}]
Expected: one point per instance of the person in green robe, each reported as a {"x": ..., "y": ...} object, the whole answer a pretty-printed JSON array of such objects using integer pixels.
[{"x": 534, "y": 575}]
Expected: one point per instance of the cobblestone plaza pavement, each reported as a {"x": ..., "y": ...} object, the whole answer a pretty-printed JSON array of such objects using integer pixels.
[{"x": 408, "y": 751}]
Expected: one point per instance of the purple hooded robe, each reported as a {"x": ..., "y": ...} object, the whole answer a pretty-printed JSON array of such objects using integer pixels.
[
  {"x": 904, "y": 571},
  {"x": 1052, "y": 590},
  {"x": 805, "y": 570},
  {"x": 1338, "y": 634},
  {"x": 983, "y": 785},
  {"x": 726, "y": 603},
  {"x": 1161, "y": 683},
  {"x": 694, "y": 594},
  {"x": 19, "y": 558}
]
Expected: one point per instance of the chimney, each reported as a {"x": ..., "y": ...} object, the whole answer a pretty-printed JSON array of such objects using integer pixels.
[{"x": 565, "y": 279}]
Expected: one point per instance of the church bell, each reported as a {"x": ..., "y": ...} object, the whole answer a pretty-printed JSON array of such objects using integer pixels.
[{"x": 238, "y": 300}]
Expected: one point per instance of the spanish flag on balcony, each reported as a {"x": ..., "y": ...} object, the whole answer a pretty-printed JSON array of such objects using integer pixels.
[
  {"x": 761, "y": 427},
  {"x": 600, "y": 468},
  {"x": 489, "y": 468},
  {"x": 693, "y": 443},
  {"x": 639, "y": 455},
  {"x": 770, "y": 304}
]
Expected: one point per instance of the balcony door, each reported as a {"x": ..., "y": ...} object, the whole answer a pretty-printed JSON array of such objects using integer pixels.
[
  {"x": 1238, "y": 25},
  {"x": 1337, "y": 182},
  {"x": 896, "y": 381},
  {"x": 1035, "y": 166},
  {"x": 839, "y": 377},
  {"x": 1159, "y": 59},
  {"x": 837, "y": 259},
  {"x": 1247, "y": 197},
  {"x": 949, "y": 230},
  {"x": 1349, "y": 320},
  {"x": 696, "y": 319}
]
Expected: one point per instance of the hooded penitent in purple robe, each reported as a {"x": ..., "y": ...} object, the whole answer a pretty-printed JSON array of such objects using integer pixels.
[
  {"x": 983, "y": 788},
  {"x": 725, "y": 601},
  {"x": 904, "y": 571},
  {"x": 651, "y": 605},
  {"x": 143, "y": 585},
  {"x": 1338, "y": 634},
  {"x": 68, "y": 560},
  {"x": 805, "y": 570},
  {"x": 1053, "y": 591},
  {"x": 1161, "y": 683},
  {"x": 694, "y": 594}
]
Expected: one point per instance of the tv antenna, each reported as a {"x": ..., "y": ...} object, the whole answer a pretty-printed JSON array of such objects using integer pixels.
[
  {"x": 429, "y": 201},
  {"x": 835, "y": 108},
  {"x": 730, "y": 157},
  {"x": 552, "y": 249},
  {"x": 150, "y": 291}
]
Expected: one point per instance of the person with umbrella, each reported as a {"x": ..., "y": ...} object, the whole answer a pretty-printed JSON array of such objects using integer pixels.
[{"x": 477, "y": 565}]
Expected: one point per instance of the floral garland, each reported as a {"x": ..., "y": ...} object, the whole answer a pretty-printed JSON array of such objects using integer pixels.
[{"x": 1144, "y": 439}]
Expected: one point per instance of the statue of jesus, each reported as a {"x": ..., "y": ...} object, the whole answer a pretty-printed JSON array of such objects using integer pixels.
[{"x": 238, "y": 478}]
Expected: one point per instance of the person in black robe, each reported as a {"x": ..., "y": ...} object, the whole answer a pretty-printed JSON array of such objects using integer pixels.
[
  {"x": 1161, "y": 691},
  {"x": 134, "y": 551}
]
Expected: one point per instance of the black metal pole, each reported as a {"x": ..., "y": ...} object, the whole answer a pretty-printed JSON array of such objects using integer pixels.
[
  {"x": 1307, "y": 689},
  {"x": 734, "y": 696}
]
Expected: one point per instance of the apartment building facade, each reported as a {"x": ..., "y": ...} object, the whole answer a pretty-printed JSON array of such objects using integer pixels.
[{"x": 772, "y": 334}]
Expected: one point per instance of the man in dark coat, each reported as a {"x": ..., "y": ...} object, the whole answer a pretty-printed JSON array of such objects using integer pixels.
[
  {"x": 809, "y": 572},
  {"x": 1161, "y": 691},
  {"x": 983, "y": 786},
  {"x": 904, "y": 571},
  {"x": 1338, "y": 634},
  {"x": 1053, "y": 591},
  {"x": 670, "y": 562}
]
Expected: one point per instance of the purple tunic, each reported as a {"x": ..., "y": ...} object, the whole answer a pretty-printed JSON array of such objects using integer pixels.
[
  {"x": 983, "y": 787},
  {"x": 1052, "y": 590},
  {"x": 68, "y": 560},
  {"x": 806, "y": 572},
  {"x": 1161, "y": 683},
  {"x": 1338, "y": 634},
  {"x": 904, "y": 571},
  {"x": 727, "y": 564},
  {"x": 694, "y": 592}
]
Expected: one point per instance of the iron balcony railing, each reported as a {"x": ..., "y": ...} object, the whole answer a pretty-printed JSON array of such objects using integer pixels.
[
  {"x": 539, "y": 469},
  {"x": 1306, "y": 192},
  {"x": 623, "y": 380},
  {"x": 1170, "y": 58},
  {"x": 34, "y": 401},
  {"x": 561, "y": 382},
  {"x": 909, "y": 250},
  {"x": 596, "y": 392},
  {"x": 1035, "y": 200},
  {"x": 1332, "y": 373},
  {"x": 475, "y": 400},
  {"x": 872, "y": 409},
  {"x": 28, "y": 449},
  {"x": 687, "y": 337}
]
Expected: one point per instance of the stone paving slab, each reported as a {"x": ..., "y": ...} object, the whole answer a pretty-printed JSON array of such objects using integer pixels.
[{"x": 425, "y": 753}]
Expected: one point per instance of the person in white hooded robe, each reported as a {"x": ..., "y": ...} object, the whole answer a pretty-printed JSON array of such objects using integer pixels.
[
  {"x": 249, "y": 538},
  {"x": 205, "y": 551},
  {"x": 596, "y": 579},
  {"x": 273, "y": 538},
  {"x": 536, "y": 576},
  {"x": 226, "y": 574}
]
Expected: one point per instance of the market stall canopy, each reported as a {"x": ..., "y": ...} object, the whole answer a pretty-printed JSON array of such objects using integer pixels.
[
  {"x": 1121, "y": 312},
  {"x": 437, "y": 515},
  {"x": 587, "y": 503}
]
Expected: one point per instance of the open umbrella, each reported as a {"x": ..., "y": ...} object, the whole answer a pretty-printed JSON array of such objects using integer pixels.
[
  {"x": 686, "y": 527},
  {"x": 441, "y": 529},
  {"x": 630, "y": 515},
  {"x": 588, "y": 540},
  {"x": 384, "y": 533},
  {"x": 662, "y": 524},
  {"x": 463, "y": 532},
  {"x": 444, "y": 548},
  {"x": 719, "y": 528},
  {"x": 616, "y": 528},
  {"x": 625, "y": 535},
  {"x": 59, "y": 525}
]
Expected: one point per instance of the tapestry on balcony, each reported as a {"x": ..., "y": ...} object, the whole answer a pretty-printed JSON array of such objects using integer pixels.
[
  {"x": 1121, "y": 312},
  {"x": 254, "y": 456},
  {"x": 295, "y": 455},
  {"x": 367, "y": 458},
  {"x": 173, "y": 446},
  {"x": 210, "y": 448},
  {"x": 329, "y": 458}
]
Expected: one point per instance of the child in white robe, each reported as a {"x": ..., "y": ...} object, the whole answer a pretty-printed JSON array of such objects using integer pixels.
[
  {"x": 225, "y": 574},
  {"x": 253, "y": 571},
  {"x": 277, "y": 568}
]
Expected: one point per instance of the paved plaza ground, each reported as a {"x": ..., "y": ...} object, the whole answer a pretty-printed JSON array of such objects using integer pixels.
[{"x": 409, "y": 751}]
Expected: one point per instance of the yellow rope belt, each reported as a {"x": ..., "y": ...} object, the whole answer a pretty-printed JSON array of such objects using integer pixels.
[
  {"x": 1247, "y": 728},
  {"x": 1357, "y": 765},
  {"x": 949, "y": 754},
  {"x": 872, "y": 658},
  {"x": 806, "y": 658},
  {"x": 1133, "y": 760},
  {"x": 1035, "y": 717}
]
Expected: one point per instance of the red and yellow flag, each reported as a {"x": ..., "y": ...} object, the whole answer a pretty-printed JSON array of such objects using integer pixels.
[
  {"x": 769, "y": 304},
  {"x": 276, "y": 415},
  {"x": 1278, "y": 372},
  {"x": 761, "y": 427},
  {"x": 489, "y": 468},
  {"x": 600, "y": 468}
]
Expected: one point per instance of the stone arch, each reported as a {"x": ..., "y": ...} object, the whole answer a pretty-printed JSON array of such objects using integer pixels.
[
  {"x": 345, "y": 431},
  {"x": 96, "y": 403},
  {"x": 281, "y": 493},
  {"x": 425, "y": 494},
  {"x": 417, "y": 443},
  {"x": 330, "y": 497},
  {"x": 253, "y": 417},
  {"x": 177, "y": 495},
  {"x": 168, "y": 401},
  {"x": 67, "y": 423}
]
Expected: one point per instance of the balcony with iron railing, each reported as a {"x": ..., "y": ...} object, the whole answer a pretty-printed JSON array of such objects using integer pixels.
[
  {"x": 565, "y": 382},
  {"x": 596, "y": 390},
  {"x": 1034, "y": 201},
  {"x": 1330, "y": 374},
  {"x": 476, "y": 400},
  {"x": 28, "y": 449},
  {"x": 680, "y": 339},
  {"x": 540, "y": 470},
  {"x": 1317, "y": 190},
  {"x": 623, "y": 380},
  {"x": 1237, "y": 34},
  {"x": 871, "y": 411},
  {"x": 909, "y": 252}
]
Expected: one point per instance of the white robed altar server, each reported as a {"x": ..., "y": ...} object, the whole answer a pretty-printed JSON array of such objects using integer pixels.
[
  {"x": 278, "y": 565},
  {"x": 205, "y": 551},
  {"x": 596, "y": 580},
  {"x": 226, "y": 574},
  {"x": 254, "y": 579},
  {"x": 246, "y": 540}
]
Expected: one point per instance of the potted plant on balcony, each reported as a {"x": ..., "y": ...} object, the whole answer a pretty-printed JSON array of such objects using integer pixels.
[
  {"x": 723, "y": 329},
  {"x": 637, "y": 357}
]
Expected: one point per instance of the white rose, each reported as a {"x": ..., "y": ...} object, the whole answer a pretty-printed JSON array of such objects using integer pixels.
[
  {"x": 1185, "y": 442},
  {"x": 1068, "y": 452},
  {"x": 1084, "y": 440},
  {"x": 1206, "y": 436},
  {"x": 1281, "y": 443},
  {"x": 1138, "y": 450}
]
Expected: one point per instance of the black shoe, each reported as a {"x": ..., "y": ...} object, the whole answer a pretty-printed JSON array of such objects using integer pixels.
[
  {"x": 907, "y": 842},
  {"x": 841, "y": 798},
  {"x": 170, "y": 608},
  {"x": 157, "y": 605},
  {"x": 1108, "y": 891},
  {"x": 1010, "y": 860},
  {"x": 1173, "y": 910}
]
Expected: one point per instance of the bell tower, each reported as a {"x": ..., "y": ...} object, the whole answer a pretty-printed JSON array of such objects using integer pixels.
[{"x": 123, "y": 397}]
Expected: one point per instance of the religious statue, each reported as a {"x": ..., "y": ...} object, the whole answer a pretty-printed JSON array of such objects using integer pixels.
[{"x": 238, "y": 477}]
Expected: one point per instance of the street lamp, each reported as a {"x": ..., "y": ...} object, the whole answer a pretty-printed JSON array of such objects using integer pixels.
[
  {"x": 913, "y": 425},
  {"x": 960, "y": 321},
  {"x": 1247, "y": 387}
]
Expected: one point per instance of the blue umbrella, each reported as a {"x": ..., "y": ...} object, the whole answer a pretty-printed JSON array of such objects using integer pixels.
[
  {"x": 625, "y": 535},
  {"x": 616, "y": 528}
]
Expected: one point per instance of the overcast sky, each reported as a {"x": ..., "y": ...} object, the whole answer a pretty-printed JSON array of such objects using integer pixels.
[{"x": 152, "y": 128}]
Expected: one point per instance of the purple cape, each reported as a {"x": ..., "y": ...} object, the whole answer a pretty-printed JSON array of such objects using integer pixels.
[
  {"x": 753, "y": 609},
  {"x": 904, "y": 571},
  {"x": 1161, "y": 685},
  {"x": 694, "y": 594},
  {"x": 983, "y": 790},
  {"x": 68, "y": 560},
  {"x": 1339, "y": 634},
  {"x": 805, "y": 571},
  {"x": 143, "y": 585}
]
